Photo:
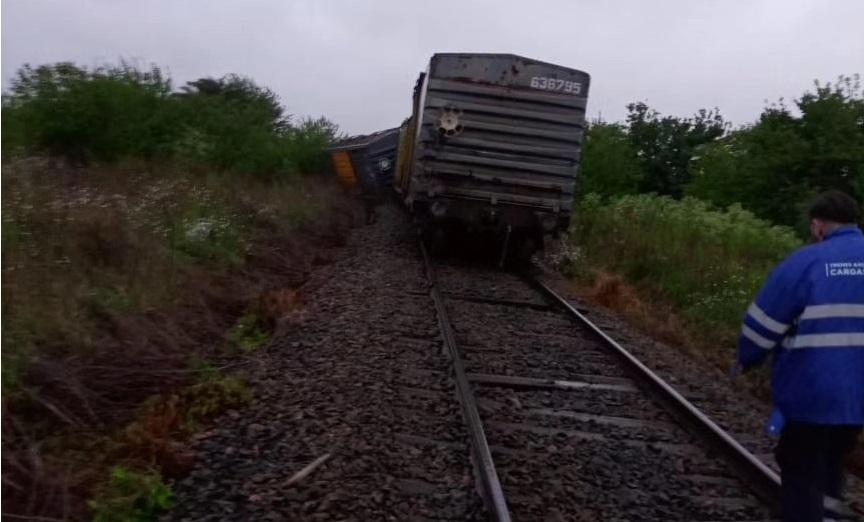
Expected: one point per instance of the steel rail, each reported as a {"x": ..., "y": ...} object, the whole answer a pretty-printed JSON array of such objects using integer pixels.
[
  {"x": 764, "y": 481},
  {"x": 493, "y": 493}
]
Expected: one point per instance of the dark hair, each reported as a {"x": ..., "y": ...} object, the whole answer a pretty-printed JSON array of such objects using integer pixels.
[{"x": 835, "y": 206}]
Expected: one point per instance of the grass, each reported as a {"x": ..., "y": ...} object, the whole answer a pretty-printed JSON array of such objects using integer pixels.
[
  {"x": 86, "y": 251},
  {"x": 206, "y": 233},
  {"x": 120, "y": 241},
  {"x": 131, "y": 496}
]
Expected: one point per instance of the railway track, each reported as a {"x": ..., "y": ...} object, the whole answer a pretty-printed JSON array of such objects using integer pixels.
[
  {"x": 560, "y": 428},
  {"x": 565, "y": 424}
]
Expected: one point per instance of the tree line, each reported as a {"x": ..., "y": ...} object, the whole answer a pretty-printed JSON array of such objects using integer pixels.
[
  {"x": 772, "y": 167},
  {"x": 121, "y": 111}
]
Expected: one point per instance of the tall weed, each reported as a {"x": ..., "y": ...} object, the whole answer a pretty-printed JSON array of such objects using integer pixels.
[{"x": 708, "y": 263}]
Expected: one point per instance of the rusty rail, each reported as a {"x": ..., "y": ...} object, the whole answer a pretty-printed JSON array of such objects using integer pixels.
[{"x": 484, "y": 466}]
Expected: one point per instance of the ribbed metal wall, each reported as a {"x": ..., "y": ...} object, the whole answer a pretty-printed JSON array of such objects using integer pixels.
[{"x": 516, "y": 144}]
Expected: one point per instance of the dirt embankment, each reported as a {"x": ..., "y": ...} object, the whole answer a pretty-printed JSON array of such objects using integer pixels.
[{"x": 132, "y": 301}]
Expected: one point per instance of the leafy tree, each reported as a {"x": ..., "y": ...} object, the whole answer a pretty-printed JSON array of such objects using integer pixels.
[
  {"x": 103, "y": 114},
  {"x": 759, "y": 167},
  {"x": 115, "y": 112},
  {"x": 609, "y": 163},
  {"x": 257, "y": 104},
  {"x": 664, "y": 145},
  {"x": 832, "y": 123},
  {"x": 232, "y": 123},
  {"x": 775, "y": 166}
]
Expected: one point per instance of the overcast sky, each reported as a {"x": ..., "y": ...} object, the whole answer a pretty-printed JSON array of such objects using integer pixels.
[{"x": 356, "y": 61}]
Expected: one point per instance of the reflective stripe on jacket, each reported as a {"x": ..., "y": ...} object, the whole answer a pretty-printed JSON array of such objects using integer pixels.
[{"x": 810, "y": 315}]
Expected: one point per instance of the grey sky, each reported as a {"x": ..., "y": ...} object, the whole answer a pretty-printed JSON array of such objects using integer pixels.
[{"x": 355, "y": 62}]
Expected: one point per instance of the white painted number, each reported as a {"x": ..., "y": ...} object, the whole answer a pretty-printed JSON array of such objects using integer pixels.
[{"x": 555, "y": 84}]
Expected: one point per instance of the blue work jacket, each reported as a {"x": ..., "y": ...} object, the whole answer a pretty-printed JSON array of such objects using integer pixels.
[{"x": 810, "y": 316}]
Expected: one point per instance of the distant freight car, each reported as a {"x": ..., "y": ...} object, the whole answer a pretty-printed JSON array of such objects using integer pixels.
[
  {"x": 493, "y": 144},
  {"x": 366, "y": 162}
]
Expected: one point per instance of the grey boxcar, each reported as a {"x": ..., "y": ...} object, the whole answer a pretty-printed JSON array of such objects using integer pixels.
[{"x": 494, "y": 143}]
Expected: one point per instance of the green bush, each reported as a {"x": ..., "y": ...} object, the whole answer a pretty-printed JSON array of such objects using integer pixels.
[
  {"x": 773, "y": 167},
  {"x": 116, "y": 112},
  {"x": 104, "y": 114},
  {"x": 708, "y": 263},
  {"x": 131, "y": 496},
  {"x": 247, "y": 335},
  {"x": 305, "y": 144}
]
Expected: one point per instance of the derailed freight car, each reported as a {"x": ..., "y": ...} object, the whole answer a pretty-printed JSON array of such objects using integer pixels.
[
  {"x": 366, "y": 162},
  {"x": 493, "y": 144}
]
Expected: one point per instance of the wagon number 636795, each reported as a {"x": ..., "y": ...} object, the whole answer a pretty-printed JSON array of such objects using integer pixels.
[{"x": 554, "y": 84}]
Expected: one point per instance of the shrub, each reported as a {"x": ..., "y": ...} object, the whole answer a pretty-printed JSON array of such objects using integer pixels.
[
  {"x": 247, "y": 335},
  {"x": 131, "y": 496},
  {"x": 708, "y": 263},
  {"x": 117, "y": 112},
  {"x": 183, "y": 411},
  {"x": 305, "y": 144},
  {"x": 210, "y": 396},
  {"x": 104, "y": 114}
]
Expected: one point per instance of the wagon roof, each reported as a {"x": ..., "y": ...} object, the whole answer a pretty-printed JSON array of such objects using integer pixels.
[
  {"x": 361, "y": 140},
  {"x": 510, "y": 56}
]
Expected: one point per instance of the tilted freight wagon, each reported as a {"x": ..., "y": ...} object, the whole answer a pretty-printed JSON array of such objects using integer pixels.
[
  {"x": 493, "y": 144},
  {"x": 366, "y": 162}
]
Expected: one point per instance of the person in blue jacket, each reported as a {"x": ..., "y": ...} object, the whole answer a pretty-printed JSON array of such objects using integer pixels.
[{"x": 810, "y": 317}]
